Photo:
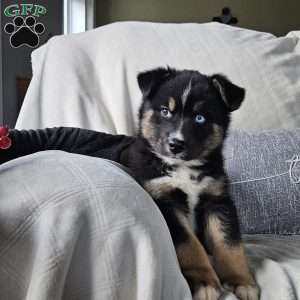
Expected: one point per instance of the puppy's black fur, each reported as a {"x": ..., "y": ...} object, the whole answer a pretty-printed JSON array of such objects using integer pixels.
[
  {"x": 213, "y": 97},
  {"x": 177, "y": 157}
]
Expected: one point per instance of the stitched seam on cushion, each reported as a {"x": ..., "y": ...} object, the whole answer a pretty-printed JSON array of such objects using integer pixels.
[
  {"x": 285, "y": 233},
  {"x": 259, "y": 179}
]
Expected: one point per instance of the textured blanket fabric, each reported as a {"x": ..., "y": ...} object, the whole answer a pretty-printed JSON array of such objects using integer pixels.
[{"x": 77, "y": 227}]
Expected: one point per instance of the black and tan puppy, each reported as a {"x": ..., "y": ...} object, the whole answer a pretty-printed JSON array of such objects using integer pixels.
[
  {"x": 184, "y": 117},
  {"x": 177, "y": 157}
]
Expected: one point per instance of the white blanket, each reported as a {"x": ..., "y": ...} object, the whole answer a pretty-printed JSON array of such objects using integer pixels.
[
  {"x": 68, "y": 231},
  {"x": 89, "y": 79}
]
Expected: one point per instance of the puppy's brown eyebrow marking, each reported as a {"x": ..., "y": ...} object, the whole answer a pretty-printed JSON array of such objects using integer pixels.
[{"x": 172, "y": 104}]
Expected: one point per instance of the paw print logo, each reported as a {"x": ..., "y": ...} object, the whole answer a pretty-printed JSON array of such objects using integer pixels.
[{"x": 24, "y": 31}]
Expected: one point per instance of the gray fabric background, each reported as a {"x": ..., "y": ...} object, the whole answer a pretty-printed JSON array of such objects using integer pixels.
[{"x": 262, "y": 185}]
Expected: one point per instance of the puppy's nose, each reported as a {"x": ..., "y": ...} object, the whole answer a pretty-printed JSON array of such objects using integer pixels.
[{"x": 176, "y": 146}]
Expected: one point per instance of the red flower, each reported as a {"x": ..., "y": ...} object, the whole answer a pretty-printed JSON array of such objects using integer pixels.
[{"x": 5, "y": 141}]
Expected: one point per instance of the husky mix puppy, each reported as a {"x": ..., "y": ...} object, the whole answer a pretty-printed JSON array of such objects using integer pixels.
[
  {"x": 177, "y": 157},
  {"x": 185, "y": 117}
]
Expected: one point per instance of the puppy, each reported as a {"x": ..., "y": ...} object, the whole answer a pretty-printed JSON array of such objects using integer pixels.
[
  {"x": 177, "y": 157},
  {"x": 185, "y": 117}
]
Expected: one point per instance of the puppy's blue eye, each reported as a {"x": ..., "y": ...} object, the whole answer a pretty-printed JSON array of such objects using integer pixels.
[
  {"x": 200, "y": 119},
  {"x": 165, "y": 113}
]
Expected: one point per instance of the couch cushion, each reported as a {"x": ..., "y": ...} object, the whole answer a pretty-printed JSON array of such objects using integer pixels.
[{"x": 264, "y": 169}]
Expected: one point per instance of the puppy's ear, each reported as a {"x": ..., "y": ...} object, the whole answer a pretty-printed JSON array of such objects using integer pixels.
[
  {"x": 230, "y": 93},
  {"x": 149, "y": 81}
]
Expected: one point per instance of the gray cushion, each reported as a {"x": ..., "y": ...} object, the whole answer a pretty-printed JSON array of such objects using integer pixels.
[{"x": 265, "y": 175}]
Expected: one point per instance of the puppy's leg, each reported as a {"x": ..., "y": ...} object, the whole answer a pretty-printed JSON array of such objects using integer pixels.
[
  {"x": 224, "y": 242},
  {"x": 197, "y": 269},
  {"x": 192, "y": 257}
]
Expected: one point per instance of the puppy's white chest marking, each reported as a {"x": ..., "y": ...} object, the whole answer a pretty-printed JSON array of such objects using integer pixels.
[{"x": 185, "y": 179}]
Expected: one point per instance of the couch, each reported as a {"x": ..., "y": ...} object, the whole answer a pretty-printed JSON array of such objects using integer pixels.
[{"x": 74, "y": 227}]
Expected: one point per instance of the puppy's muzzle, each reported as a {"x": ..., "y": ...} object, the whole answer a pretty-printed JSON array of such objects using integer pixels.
[{"x": 176, "y": 146}]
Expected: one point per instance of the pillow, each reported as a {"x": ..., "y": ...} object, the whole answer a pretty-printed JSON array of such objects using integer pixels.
[
  {"x": 264, "y": 169},
  {"x": 89, "y": 79}
]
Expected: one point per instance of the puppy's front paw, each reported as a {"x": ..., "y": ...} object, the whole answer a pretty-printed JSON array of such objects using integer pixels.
[
  {"x": 204, "y": 284},
  {"x": 244, "y": 292},
  {"x": 207, "y": 292},
  {"x": 247, "y": 292}
]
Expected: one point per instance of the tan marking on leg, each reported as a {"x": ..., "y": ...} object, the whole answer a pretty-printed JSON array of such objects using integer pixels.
[
  {"x": 230, "y": 261},
  {"x": 194, "y": 261},
  {"x": 214, "y": 232},
  {"x": 195, "y": 264},
  {"x": 172, "y": 104},
  {"x": 232, "y": 266}
]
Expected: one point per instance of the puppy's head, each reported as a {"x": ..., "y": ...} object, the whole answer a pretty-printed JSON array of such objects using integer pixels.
[{"x": 185, "y": 114}]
